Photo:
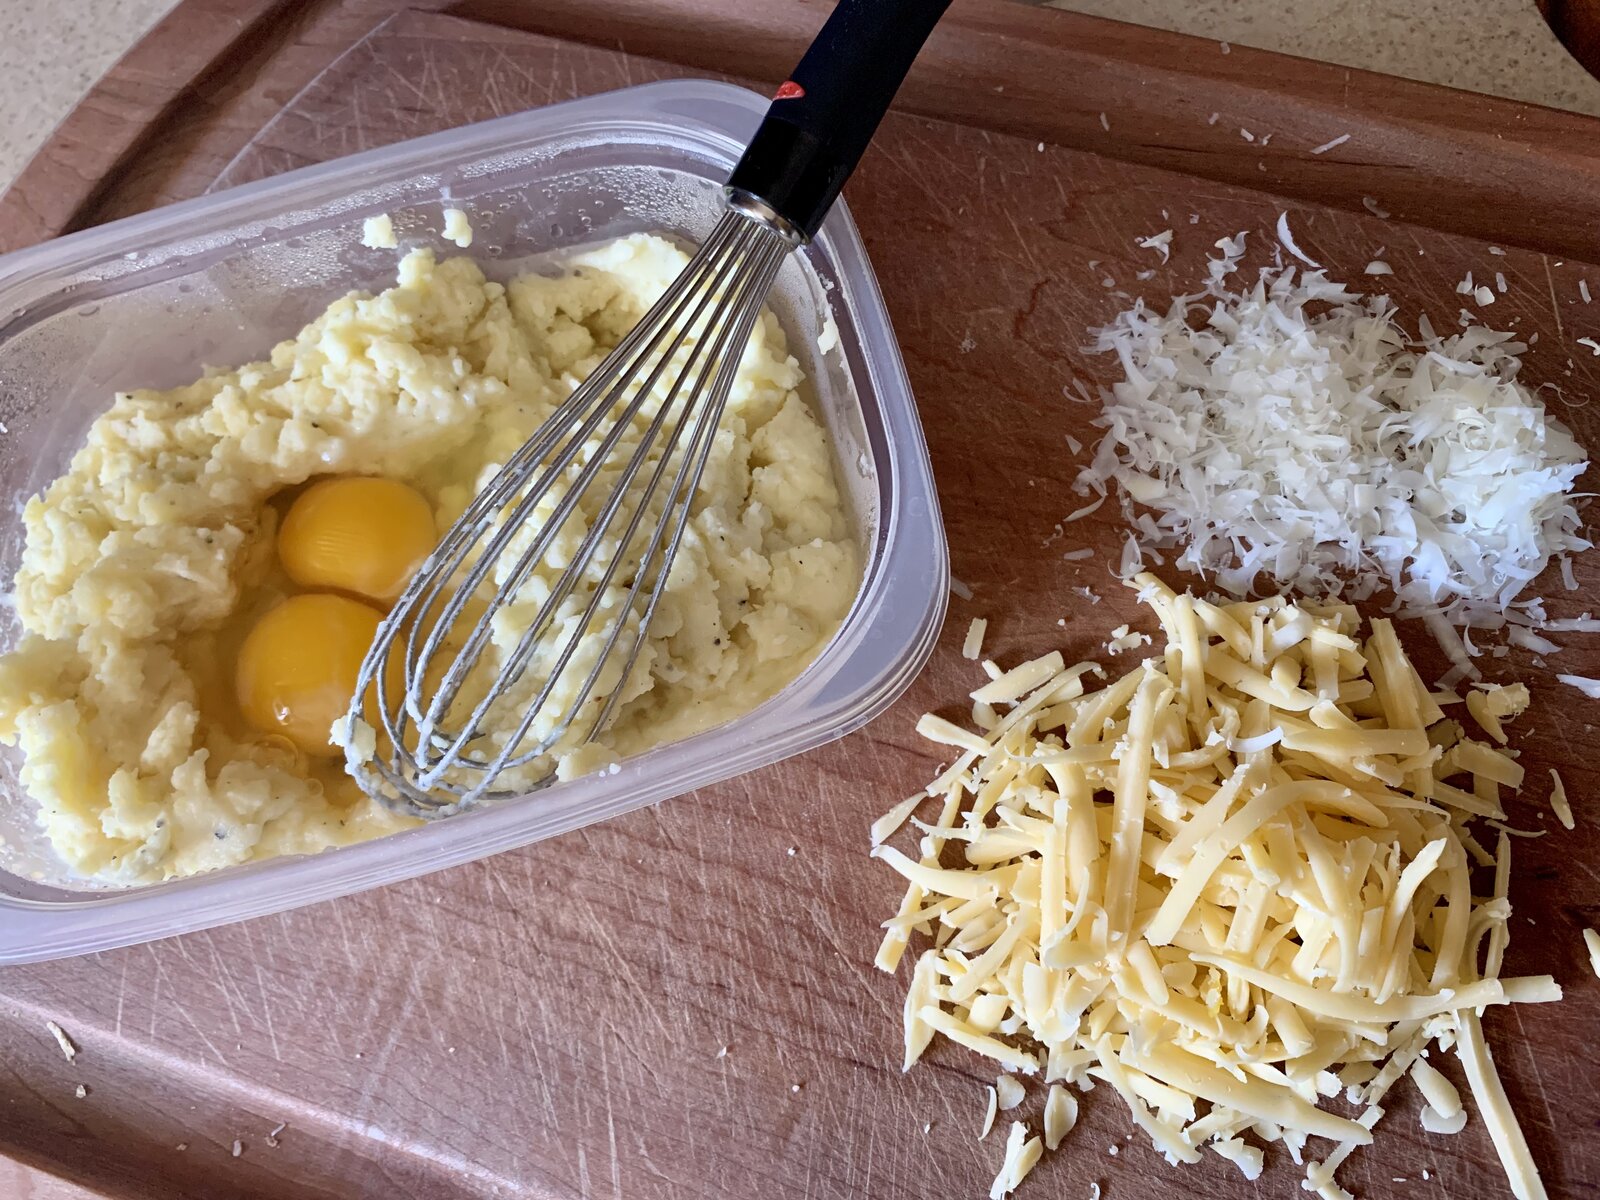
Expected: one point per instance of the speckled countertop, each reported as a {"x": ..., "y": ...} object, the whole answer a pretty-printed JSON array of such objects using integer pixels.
[{"x": 52, "y": 50}]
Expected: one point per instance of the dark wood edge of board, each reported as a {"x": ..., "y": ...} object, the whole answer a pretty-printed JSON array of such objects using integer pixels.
[{"x": 1415, "y": 150}]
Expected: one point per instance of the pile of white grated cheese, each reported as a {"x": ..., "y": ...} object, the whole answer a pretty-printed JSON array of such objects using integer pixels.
[
  {"x": 1232, "y": 885},
  {"x": 1289, "y": 430}
]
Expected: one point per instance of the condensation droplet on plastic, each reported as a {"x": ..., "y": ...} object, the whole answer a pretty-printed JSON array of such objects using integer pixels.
[{"x": 88, "y": 310}]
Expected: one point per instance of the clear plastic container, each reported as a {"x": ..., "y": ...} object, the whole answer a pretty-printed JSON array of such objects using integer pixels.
[{"x": 150, "y": 301}]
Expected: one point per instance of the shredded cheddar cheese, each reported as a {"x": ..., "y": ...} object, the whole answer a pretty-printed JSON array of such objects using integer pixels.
[{"x": 1230, "y": 885}]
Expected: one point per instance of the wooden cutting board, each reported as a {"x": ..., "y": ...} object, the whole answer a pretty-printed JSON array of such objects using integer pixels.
[{"x": 551, "y": 1022}]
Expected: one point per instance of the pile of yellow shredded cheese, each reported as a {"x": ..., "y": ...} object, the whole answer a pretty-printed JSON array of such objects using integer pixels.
[{"x": 1233, "y": 885}]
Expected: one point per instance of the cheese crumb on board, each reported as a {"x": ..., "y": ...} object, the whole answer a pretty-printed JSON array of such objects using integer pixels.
[
  {"x": 1089, "y": 509},
  {"x": 1558, "y": 800},
  {"x": 1589, "y": 687},
  {"x": 885, "y": 826},
  {"x": 1287, "y": 428},
  {"x": 972, "y": 647},
  {"x": 1591, "y": 939},
  {"x": 1008, "y": 1092},
  {"x": 1229, "y": 885},
  {"x": 989, "y": 1111},
  {"x": 1022, "y": 1154},
  {"x": 1124, "y": 639},
  {"x": 1159, "y": 242},
  {"x": 62, "y": 1040}
]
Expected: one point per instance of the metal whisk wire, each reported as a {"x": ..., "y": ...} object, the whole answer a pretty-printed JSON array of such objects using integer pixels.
[
  {"x": 428, "y": 760},
  {"x": 433, "y": 747}
]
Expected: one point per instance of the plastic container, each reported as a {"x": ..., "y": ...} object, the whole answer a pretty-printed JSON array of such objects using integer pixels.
[{"x": 149, "y": 301}]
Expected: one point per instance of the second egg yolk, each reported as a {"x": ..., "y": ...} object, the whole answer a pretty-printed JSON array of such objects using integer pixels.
[
  {"x": 298, "y": 667},
  {"x": 357, "y": 534}
]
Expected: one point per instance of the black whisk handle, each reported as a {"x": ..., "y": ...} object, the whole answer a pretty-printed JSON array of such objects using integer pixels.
[{"x": 823, "y": 116}]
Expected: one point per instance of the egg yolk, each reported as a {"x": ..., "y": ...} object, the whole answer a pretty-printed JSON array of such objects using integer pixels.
[
  {"x": 297, "y": 669},
  {"x": 357, "y": 534}
]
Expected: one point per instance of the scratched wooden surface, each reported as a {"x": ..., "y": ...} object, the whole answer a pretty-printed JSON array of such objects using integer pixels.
[{"x": 551, "y": 1022}]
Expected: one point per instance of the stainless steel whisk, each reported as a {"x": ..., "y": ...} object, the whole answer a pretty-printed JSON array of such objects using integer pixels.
[{"x": 428, "y": 753}]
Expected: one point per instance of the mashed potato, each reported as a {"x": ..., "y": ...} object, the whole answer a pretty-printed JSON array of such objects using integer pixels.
[{"x": 147, "y": 561}]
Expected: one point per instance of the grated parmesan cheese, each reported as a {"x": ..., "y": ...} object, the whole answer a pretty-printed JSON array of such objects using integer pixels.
[
  {"x": 1160, "y": 242},
  {"x": 1591, "y": 939},
  {"x": 1229, "y": 885},
  {"x": 1087, "y": 510},
  {"x": 1326, "y": 146},
  {"x": 1589, "y": 687},
  {"x": 1288, "y": 430},
  {"x": 1519, "y": 635},
  {"x": 1286, "y": 240}
]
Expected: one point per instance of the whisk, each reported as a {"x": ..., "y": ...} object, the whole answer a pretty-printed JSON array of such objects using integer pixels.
[{"x": 424, "y": 745}]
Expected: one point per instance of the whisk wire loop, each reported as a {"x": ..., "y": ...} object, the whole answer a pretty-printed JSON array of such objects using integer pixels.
[{"x": 431, "y": 749}]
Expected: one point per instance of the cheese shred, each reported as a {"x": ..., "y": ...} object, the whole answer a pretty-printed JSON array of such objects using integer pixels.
[{"x": 1231, "y": 885}]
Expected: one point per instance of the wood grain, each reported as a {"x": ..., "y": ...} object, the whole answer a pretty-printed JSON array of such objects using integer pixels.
[
  {"x": 549, "y": 1023},
  {"x": 1165, "y": 99},
  {"x": 1478, "y": 165}
]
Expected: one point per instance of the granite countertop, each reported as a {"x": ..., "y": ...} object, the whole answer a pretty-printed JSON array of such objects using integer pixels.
[{"x": 52, "y": 50}]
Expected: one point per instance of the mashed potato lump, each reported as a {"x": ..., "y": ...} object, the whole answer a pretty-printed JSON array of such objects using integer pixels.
[{"x": 146, "y": 563}]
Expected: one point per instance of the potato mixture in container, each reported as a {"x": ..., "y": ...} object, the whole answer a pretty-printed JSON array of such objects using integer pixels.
[{"x": 198, "y": 589}]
